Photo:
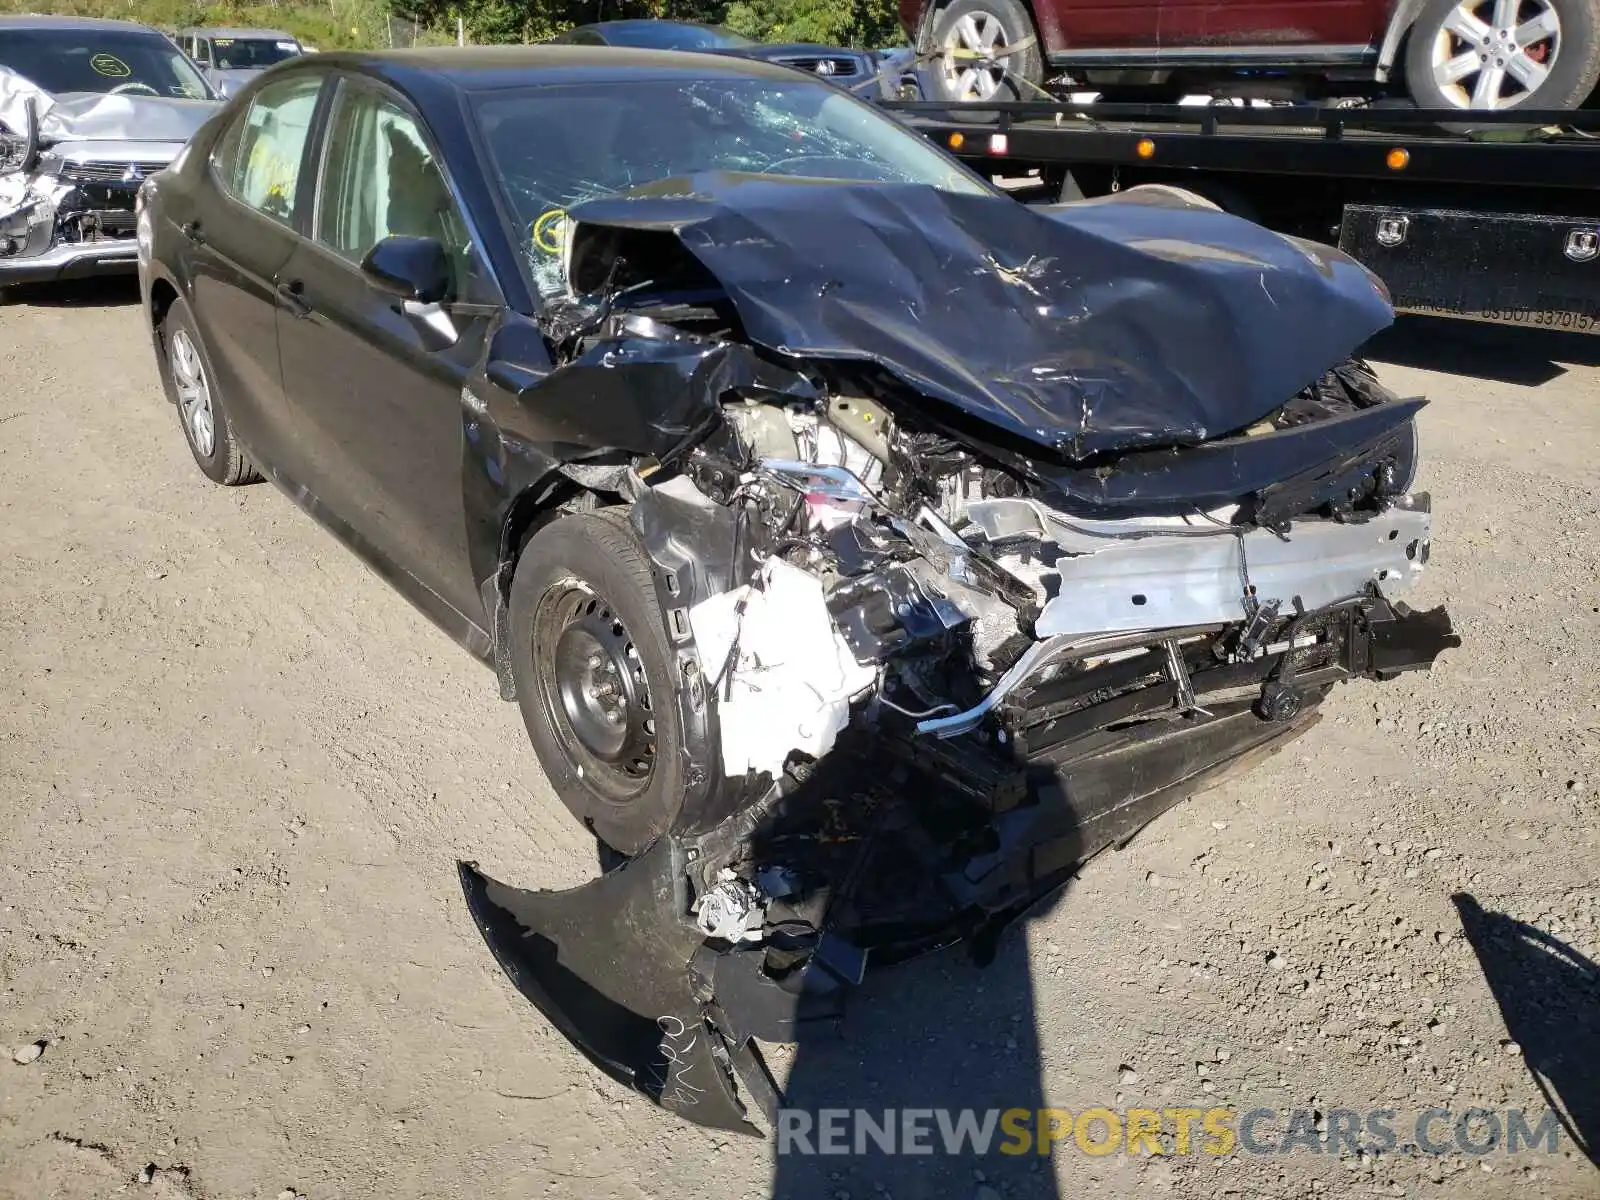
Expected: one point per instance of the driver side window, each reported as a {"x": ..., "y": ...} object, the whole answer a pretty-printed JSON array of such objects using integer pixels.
[{"x": 380, "y": 179}]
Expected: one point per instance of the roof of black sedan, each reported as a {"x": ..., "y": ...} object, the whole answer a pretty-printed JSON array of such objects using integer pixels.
[{"x": 488, "y": 68}]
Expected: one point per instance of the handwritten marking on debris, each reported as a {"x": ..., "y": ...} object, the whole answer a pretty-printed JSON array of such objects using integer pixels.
[{"x": 676, "y": 1043}]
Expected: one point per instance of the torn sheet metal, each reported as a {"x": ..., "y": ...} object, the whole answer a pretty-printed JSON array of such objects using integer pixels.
[
  {"x": 100, "y": 117},
  {"x": 660, "y": 392},
  {"x": 1126, "y": 325},
  {"x": 1373, "y": 439},
  {"x": 72, "y": 165},
  {"x": 782, "y": 674},
  {"x": 894, "y": 846}
]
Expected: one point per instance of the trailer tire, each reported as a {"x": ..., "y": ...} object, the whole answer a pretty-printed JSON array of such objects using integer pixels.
[
  {"x": 972, "y": 25},
  {"x": 1570, "y": 57}
]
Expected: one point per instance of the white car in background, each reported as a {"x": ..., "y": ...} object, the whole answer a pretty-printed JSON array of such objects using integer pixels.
[{"x": 230, "y": 58}]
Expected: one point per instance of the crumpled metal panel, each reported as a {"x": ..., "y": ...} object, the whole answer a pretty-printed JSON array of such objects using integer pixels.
[
  {"x": 1230, "y": 468},
  {"x": 1090, "y": 330},
  {"x": 95, "y": 117}
]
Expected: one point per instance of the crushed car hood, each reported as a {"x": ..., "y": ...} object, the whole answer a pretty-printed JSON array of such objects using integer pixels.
[
  {"x": 92, "y": 116},
  {"x": 1079, "y": 329}
]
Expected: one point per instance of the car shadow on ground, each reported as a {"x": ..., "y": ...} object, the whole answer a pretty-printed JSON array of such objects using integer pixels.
[
  {"x": 113, "y": 291},
  {"x": 1506, "y": 354},
  {"x": 1549, "y": 998},
  {"x": 941, "y": 1033}
]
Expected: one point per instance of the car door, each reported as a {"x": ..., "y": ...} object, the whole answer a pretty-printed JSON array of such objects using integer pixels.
[
  {"x": 1239, "y": 31},
  {"x": 1070, "y": 28},
  {"x": 375, "y": 383},
  {"x": 241, "y": 230}
]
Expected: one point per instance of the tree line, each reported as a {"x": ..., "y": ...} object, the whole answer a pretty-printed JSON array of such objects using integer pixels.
[{"x": 862, "y": 23}]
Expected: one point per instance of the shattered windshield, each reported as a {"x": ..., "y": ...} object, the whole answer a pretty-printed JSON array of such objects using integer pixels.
[
  {"x": 557, "y": 146},
  {"x": 251, "y": 54},
  {"x": 101, "y": 60}
]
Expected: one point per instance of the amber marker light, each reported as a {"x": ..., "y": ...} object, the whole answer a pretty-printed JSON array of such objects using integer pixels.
[
  {"x": 1146, "y": 148},
  {"x": 1398, "y": 158}
]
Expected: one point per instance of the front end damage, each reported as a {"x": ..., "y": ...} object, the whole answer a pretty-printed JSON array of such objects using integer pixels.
[
  {"x": 958, "y": 607},
  {"x": 70, "y": 172}
]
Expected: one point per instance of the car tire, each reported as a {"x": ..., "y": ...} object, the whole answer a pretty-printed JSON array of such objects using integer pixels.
[
  {"x": 1569, "y": 58},
  {"x": 974, "y": 25},
  {"x": 190, "y": 383},
  {"x": 595, "y": 677}
]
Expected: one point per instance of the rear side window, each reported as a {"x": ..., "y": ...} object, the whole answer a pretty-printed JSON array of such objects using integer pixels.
[{"x": 258, "y": 159}]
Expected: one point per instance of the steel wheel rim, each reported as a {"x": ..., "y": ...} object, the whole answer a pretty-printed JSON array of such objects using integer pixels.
[
  {"x": 1491, "y": 55},
  {"x": 593, "y": 688},
  {"x": 973, "y": 62},
  {"x": 194, "y": 393}
]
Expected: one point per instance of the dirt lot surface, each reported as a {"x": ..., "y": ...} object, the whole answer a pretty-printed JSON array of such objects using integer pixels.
[{"x": 237, "y": 769}]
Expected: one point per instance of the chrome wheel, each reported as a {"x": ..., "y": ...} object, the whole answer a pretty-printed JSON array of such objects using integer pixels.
[
  {"x": 1494, "y": 54},
  {"x": 194, "y": 394},
  {"x": 592, "y": 684},
  {"x": 973, "y": 62}
]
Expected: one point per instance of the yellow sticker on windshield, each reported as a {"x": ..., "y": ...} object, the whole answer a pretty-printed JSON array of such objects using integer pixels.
[
  {"x": 548, "y": 230},
  {"x": 109, "y": 65}
]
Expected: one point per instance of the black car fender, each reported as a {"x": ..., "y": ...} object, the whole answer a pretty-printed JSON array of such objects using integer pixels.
[{"x": 514, "y": 483}]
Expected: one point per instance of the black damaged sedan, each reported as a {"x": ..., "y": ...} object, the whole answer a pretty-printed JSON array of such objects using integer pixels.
[{"x": 865, "y": 550}]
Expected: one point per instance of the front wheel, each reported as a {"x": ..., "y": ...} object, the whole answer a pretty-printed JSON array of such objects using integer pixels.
[
  {"x": 594, "y": 677},
  {"x": 1495, "y": 55},
  {"x": 978, "y": 56}
]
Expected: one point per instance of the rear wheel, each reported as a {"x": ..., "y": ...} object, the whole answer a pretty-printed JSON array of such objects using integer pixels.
[
  {"x": 979, "y": 60},
  {"x": 594, "y": 677},
  {"x": 1494, "y": 55},
  {"x": 191, "y": 386}
]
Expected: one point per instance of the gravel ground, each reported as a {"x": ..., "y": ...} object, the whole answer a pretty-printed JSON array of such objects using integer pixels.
[{"x": 237, "y": 768}]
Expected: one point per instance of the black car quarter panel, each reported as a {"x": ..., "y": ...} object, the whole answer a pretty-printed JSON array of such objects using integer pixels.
[
  {"x": 240, "y": 236},
  {"x": 375, "y": 382}
]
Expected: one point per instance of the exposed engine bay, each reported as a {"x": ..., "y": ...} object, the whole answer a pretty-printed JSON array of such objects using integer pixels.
[{"x": 948, "y": 642}]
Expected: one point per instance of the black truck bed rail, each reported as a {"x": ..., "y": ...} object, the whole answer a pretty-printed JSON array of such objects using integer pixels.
[{"x": 1553, "y": 149}]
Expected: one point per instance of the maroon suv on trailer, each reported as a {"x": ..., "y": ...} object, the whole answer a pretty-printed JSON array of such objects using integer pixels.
[{"x": 1463, "y": 54}]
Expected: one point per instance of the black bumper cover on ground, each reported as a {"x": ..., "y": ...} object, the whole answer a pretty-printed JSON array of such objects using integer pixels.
[{"x": 620, "y": 968}]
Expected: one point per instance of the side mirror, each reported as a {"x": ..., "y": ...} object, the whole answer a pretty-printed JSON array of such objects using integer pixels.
[{"x": 409, "y": 268}]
